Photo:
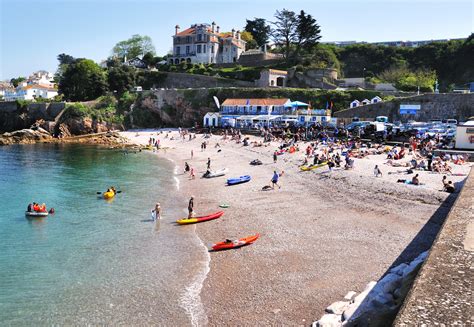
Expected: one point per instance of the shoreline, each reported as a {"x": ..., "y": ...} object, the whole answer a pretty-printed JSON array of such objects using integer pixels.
[{"x": 323, "y": 234}]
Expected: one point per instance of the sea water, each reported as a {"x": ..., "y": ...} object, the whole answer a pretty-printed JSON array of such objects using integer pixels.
[{"x": 95, "y": 261}]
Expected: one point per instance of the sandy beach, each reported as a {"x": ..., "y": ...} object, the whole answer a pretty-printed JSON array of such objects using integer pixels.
[{"x": 322, "y": 234}]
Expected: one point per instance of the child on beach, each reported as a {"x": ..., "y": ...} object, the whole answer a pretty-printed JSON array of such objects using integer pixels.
[
  {"x": 156, "y": 213},
  {"x": 275, "y": 180},
  {"x": 377, "y": 171},
  {"x": 192, "y": 174},
  {"x": 191, "y": 207}
]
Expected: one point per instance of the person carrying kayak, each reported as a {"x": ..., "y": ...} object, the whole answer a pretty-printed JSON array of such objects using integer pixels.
[
  {"x": 191, "y": 207},
  {"x": 275, "y": 180}
]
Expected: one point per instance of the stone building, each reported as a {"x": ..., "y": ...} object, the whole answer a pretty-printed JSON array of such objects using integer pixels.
[
  {"x": 272, "y": 78},
  {"x": 203, "y": 43}
]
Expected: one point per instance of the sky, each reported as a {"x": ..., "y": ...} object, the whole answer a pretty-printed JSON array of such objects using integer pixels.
[{"x": 34, "y": 32}]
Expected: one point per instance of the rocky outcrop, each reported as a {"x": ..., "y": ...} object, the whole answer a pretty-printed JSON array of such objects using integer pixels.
[
  {"x": 380, "y": 301},
  {"x": 26, "y": 136}
]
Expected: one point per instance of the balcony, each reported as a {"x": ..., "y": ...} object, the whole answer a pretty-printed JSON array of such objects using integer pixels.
[{"x": 184, "y": 55}]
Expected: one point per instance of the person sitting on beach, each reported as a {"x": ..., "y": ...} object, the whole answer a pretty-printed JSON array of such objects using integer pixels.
[
  {"x": 316, "y": 160},
  {"x": 415, "y": 180},
  {"x": 377, "y": 171},
  {"x": 450, "y": 187},
  {"x": 186, "y": 167},
  {"x": 337, "y": 160}
]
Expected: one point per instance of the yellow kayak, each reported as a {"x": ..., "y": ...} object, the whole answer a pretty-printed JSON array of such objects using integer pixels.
[
  {"x": 307, "y": 168},
  {"x": 108, "y": 195}
]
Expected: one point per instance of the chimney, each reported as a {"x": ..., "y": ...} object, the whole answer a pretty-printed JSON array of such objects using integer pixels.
[
  {"x": 213, "y": 27},
  {"x": 217, "y": 29},
  {"x": 238, "y": 35},
  {"x": 176, "y": 29},
  {"x": 233, "y": 32}
]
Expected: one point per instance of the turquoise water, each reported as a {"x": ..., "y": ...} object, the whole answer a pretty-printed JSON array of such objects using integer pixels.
[{"x": 93, "y": 261}]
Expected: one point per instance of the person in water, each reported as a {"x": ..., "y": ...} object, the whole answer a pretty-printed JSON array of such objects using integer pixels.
[
  {"x": 157, "y": 212},
  {"x": 30, "y": 207},
  {"x": 191, "y": 207}
]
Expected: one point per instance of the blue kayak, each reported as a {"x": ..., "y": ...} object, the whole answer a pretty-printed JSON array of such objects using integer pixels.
[{"x": 238, "y": 180}]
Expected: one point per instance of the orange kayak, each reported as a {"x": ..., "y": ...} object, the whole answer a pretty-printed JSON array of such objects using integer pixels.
[{"x": 228, "y": 244}]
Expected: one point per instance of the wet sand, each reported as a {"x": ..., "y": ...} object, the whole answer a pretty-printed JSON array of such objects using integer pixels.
[{"x": 322, "y": 234}]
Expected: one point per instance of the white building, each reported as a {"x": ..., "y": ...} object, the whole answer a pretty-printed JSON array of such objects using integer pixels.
[
  {"x": 465, "y": 135},
  {"x": 30, "y": 92},
  {"x": 41, "y": 77},
  {"x": 203, "y": 43},
  {"x": 365, "y": 102}
]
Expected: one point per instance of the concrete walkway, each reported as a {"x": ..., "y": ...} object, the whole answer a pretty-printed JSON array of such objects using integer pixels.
[{"x": 442, "y": 292}]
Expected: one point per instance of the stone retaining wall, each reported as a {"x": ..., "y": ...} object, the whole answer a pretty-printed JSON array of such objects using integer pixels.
[
  {"x": 433, "y": 106},
  {"x": 442, "y": 292}
]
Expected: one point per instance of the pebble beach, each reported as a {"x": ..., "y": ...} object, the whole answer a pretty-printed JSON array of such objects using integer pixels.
[{"x": 323, "y": 234}]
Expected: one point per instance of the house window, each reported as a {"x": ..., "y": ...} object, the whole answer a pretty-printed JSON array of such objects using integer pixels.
[
  {"x": 198, "y": 48},
  {"x": 212, "y": 48},
  {"x": 188, "y": 39},
  {"x": 178, "y": 50},
  {"x": 204, "y": 49},
  {"x": 187, "y": 49},
  {"x": 199, "y": 37}
]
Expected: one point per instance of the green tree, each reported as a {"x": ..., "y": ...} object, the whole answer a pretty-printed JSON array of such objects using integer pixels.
[
  {"x": 284, "y": 31},
  {"x": 247, "y": 37},
  {"x": 82, "y": 80},
  {"x": 136, "y": 46},
  {"x": 259, "y": 29},
  {"x": 149, "y": 59},
  {"x": 16, "y": 81},
  {"x": 307, "y": 32},
  {"x": 121, "y": 79},
  {"x": 64, "y": 61}
]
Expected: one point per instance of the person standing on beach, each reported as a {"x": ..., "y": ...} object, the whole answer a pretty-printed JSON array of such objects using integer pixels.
[
  {"x": 191, "y": 207},
  {"x": 192, "y": 174},
  {"x": 156, "y": 213},
  {"x": 275, "y": 180},
  {"x": 208, "y": 163},
  {"x": 377, "y": 171},
  {"x": 192, "y": 154},
  {"x": 275, "y": 157}
]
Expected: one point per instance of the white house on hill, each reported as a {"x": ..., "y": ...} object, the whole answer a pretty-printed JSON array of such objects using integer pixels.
[
  {"x": 30, "y": 92},
  {"x": 365, "y": 102}
]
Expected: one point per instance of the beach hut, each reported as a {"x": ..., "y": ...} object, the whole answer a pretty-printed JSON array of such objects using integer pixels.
[
  {"x": 355, "y": 104},
  {"x": 376, "y": 99},
  {"x": 211, "y": 119}
]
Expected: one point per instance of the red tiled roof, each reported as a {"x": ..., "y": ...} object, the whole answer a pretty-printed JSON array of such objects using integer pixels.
[
  {"x": 39, "y": 86},
  {"x": 190, "y": 31},
  {"x": 255, "y": 102}
]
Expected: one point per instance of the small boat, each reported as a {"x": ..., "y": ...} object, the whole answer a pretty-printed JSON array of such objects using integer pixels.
[
  {"x": 36, "y": 213},
  {"x": 194, "y": 220},
  {"x": 307, "y": 168},
  {"x": 108, "y": 195},
  {"x": 239, "y": 180},
  {"x": 216, "y": 173},
  {"x": 228, "y": 244}
]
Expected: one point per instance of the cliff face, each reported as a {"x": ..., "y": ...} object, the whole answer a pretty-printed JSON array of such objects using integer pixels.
[{"x": 16, "y": 117}]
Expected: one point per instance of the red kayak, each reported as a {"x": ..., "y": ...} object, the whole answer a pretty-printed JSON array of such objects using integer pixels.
[
  {"x": 229, "y": 244},
  {"x": 194, "y": 220}
]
